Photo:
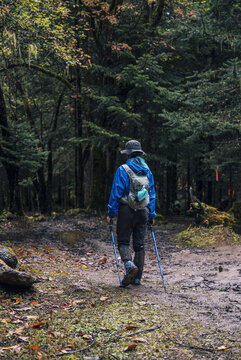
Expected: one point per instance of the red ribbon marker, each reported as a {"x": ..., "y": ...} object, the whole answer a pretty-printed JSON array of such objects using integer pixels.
[{"x": 217, "y": 173}]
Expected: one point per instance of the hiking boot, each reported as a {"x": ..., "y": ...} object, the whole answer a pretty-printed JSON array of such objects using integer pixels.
[
  {"x": 131, "y": 271},
  {"x": 137, "y": 282},
  {"x": 139, "y": 259}
]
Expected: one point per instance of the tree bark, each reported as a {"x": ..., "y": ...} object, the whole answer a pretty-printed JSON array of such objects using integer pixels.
[
  {"x": 49, "y": 189},
  {"x": 11, "y": 170},
  {"x": 79, "y": 168}
]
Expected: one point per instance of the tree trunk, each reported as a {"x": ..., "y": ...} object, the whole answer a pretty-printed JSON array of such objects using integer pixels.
[
  {"x": 98, "y": 179},
  {"x": 11, "y": 170},
  {"x": 79, "y": 168},
  {"x": 49, "y": 189}
]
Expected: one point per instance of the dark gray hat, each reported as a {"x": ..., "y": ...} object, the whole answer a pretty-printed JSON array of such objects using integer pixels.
[{"x": 131, "y": 147}]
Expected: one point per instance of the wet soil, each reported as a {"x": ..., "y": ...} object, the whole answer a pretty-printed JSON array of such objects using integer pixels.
[{"x": 203, "y": 284}]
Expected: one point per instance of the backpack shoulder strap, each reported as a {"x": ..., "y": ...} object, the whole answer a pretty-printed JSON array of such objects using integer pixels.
[{"x": 128, "y": 170}]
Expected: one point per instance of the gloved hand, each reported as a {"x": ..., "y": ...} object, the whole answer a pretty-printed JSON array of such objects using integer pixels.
[
  {"x": 109, "y": 220},
  {"x": 151, "y": 221}
]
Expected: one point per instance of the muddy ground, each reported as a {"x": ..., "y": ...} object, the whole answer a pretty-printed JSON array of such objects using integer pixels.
[{"x": 203, "y": 285}]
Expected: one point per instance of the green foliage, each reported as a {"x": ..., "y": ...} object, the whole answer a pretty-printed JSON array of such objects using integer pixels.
[
  {"x": 22, "y": 150},
  {"x": 175, "y": 86}
]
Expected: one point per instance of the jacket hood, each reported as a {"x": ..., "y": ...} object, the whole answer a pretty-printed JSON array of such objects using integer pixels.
[{"x": 138, "y": 165}]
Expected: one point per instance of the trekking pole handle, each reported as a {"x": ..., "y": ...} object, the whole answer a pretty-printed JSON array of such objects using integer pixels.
[{"x": 111, "y": 224}]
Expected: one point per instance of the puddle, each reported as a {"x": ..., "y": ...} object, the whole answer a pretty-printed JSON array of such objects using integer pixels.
[{"x": 72, "y": 237}]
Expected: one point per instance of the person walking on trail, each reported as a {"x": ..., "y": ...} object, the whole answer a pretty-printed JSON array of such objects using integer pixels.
[{"x": 132, "y": 199}]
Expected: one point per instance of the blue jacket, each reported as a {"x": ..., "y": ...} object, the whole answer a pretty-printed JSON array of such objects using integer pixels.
[{"x": 121, "y": 186}]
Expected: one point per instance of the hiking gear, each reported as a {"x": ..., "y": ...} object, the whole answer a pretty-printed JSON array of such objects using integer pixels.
[
  {"x": 137, "y": 282},
  {"x": 139, "y": 262},
  {"x": 125, "y": 253},
  {"x": 131, "y": 222},
  {"x": 158, "y": 259},
  {"x": 121, "y": 187},
  {"x": 138, "y": 197},
  {"x": 116, "y": 259},
  {"x": 132, "y": 146},
  {"x": 130, "y": 274}
]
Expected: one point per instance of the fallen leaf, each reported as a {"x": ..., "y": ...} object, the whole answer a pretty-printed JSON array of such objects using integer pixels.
[
  {"x": 65, "y": 351},
  {"x": 220, "y": 348},
  {"x": 16, "y": 348},
  {"x": 26, "y": 308},
  {"x": 4, "y": 321},
  {"x": 130, "y": 327},
  {"x": 141, "y": 340},
  {"x": 38, "y": 325},
  {"x": 24, "y": 338},
  {"x": 87, "y": 337},
  {"x": 84, "y": 267},
  {"x": 17, "y": 300},
  {"x": 103, "y": 260},
  {"x": 19, "y": 330},
  {"x": 32, "y": 317},
  {"x": 67, "y": 304},
  {"x": 34, "y": 302},
  {"x": 59, "y": 292},
  {"x": 142, "y": 303},
  {"x": 130, "y": 347},
  {"x": 81, "y": 301},
  {"x": 35, "y": 348},
  {"x": 104, "y": 298}
]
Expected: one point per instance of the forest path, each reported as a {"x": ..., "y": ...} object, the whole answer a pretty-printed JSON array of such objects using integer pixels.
[{"x": 75, "y": 254}]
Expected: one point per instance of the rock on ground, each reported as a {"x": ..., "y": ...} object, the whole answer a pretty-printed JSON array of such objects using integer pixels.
[
  {"x": 10, "y": 276},
  {"x": 8, "y": 256}
]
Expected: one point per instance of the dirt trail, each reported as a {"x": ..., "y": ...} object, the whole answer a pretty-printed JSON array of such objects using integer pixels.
[
  {"x": 208, "y": 281},
  {"x": 202, "y": 284}
]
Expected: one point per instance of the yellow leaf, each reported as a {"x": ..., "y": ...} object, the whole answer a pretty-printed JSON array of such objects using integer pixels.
[
  {"x": 84, "y": 267},
  {"x": 104, "y": 298},
  {"x": 220, "y": 348}
]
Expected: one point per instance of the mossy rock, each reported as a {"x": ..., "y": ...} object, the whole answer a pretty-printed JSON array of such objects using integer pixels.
[
  {"x": 13, "y": 277},
  {"x": 8, "y": 256},
  {"x": 202, "y": 236},
  {"x": 211, "y": 216},
  {"x": 72, "y": 211}
]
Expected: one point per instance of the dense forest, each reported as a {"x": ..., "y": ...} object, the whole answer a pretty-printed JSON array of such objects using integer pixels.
[{"x": 80, "y": 78}]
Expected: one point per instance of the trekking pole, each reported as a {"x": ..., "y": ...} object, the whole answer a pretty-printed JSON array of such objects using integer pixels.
[
  {"x": 157, "y": 255},
  {"x": 116, "y": 259}
]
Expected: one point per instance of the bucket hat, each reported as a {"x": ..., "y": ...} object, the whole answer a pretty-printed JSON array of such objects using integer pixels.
[{"x": 132, "y": 146}]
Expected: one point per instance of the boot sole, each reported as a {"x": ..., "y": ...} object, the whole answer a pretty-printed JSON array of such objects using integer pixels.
[{"x": 130, "y": 277}]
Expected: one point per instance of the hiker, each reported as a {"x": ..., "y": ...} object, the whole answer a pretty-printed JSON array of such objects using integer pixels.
[{"x": 133, "y": 199}]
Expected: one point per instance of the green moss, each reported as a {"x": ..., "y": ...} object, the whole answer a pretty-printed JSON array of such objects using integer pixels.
[
  {"x": 202, "y": 236},
  {"x": 210, "y": 216}
]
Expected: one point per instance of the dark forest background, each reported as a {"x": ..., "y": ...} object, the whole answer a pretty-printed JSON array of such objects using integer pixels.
[{"x": 80, "y": 78}]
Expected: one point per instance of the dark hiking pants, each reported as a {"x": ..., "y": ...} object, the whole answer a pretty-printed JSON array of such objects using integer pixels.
[{"x": 131, "y": 222}]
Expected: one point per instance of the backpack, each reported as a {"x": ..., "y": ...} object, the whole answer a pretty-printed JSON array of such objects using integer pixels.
[{"x": 138, "y": 197}]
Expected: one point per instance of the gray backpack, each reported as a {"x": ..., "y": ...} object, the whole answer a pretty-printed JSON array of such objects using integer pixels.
[{"x": 138, "y": 197}]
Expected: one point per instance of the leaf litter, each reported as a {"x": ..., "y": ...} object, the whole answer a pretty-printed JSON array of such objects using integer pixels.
[{"x": 99, "y": 319}]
